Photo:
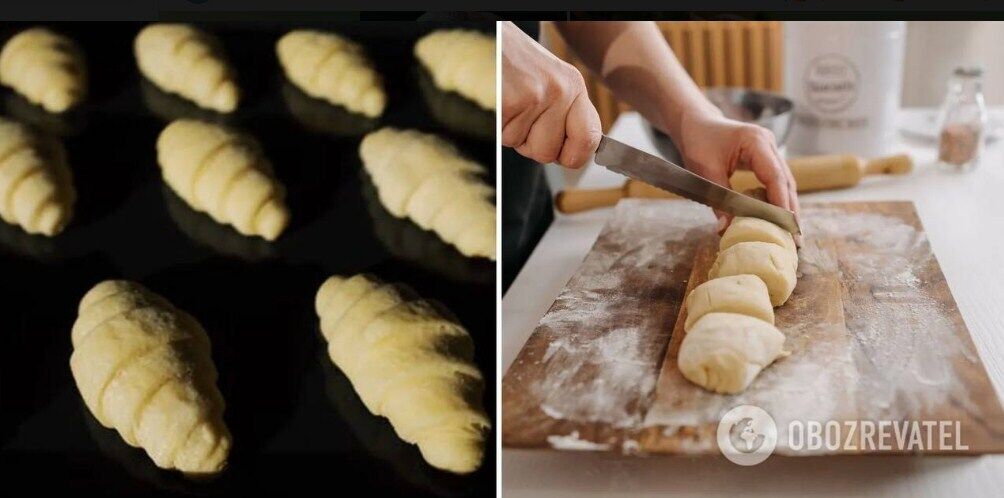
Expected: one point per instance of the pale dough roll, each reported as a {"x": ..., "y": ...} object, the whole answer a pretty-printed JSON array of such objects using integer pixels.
[
  {"x": 461, "y": 61},
  {"x": 333, "y": 68},
  {"x": 36, "y": 185},
  {"x": 410, "y": 363},
  {"x": 746, "y": 229},
  {"x": 724, "y": 352},
  {"x": 46, "y": 67},
  {"x": 225, "y": 174},
  {"x": 144, "y": 368},
  {"x": 771, "y": 262},
  {"x": 425, "y": 178},
  {"x": 743, "y": 294},
  {"x": 183, "y": 60}
]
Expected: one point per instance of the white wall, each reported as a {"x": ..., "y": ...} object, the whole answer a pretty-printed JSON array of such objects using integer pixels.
[{"x": 934, "y": 48}]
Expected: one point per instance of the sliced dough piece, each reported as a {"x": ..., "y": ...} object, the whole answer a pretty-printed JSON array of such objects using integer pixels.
[
  {"x": 746, "y": 229},
  {"x": 225, "y": 174},
  {"x": 46, "y": 67},
  {"x": 425, "y": 178},
  {"x": 36, "y": 185},
  {"x": 410, "y": 363},
  {"x": 461, "y": 61},
  {"x": 144, "y": 369},
  {"x": 771, "y": 262},
  {"x": 183, "y": 60},
  {"x": 331, "y": 67},
  {"x": 743, "y": 294},
  {"x": 724, "y": 352}
]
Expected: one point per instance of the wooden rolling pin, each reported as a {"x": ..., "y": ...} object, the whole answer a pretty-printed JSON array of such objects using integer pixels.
[{"x": 811, "y": 173}]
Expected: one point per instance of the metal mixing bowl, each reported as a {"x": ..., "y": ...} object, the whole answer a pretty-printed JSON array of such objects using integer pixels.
[{"x": 770, "y": 110}]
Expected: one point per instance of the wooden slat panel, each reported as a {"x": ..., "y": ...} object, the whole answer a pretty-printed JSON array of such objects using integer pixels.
[
  {"x": 697, "y": 53},
  {"x": 716, "y": 46}
]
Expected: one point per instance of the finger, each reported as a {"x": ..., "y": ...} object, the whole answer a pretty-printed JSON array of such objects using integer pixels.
[
  {"x": 514, "y": 133},
  {"x": 583, "y": 132},
  {"x": 547, "y": 133},
  {"x": 790, "y": 175},
  {"x": 770, "y": 171},
  {"x": 724, "y": 220}
]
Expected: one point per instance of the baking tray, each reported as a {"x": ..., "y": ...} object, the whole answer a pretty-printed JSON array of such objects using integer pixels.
[{"x": 297, "y": 423}]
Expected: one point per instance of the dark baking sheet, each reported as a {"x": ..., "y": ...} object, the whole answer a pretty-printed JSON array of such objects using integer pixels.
[{"x": 297, "y": 424}]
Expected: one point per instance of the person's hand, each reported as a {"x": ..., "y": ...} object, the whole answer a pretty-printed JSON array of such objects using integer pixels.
[
  {"x": 546, "y": 112},
  {"x": 715, "y": 147}
]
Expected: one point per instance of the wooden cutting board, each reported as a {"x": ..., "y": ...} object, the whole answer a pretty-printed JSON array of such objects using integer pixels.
[{"x": 872, "y": 327}]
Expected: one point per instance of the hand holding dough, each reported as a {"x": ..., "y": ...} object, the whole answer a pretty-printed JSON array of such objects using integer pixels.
[
  {"x": 225, "y": 174},
  {"x": 771, "y": 262},
  {"x": 183, "y": 60},
  {"x": 410, "y": 364},
  {"x": 333, "y": 68},
  {"x": 461, "y": 61},
  {"x": 423, "y": 177},
  {"x": 36, "y": 185},
  {"x": 743, "y": 294},
  {"x": 144, "y": 368},
  {"x": 45, "y": 67},
  {"x": 746, "y": 229},
  {"x": 724, "y": 352}
]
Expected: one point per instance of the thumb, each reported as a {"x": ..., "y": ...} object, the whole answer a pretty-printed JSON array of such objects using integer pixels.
[{"x": 724, "y": 219}]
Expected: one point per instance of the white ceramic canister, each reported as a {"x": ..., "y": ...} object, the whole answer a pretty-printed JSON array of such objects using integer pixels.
[{"x": 846, "y": 79}]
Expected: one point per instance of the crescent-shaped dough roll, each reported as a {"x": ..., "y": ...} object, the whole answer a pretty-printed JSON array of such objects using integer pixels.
[
  {"x": 724, "y": 352},
  {"x": 744, "y": 294},
  {"x": 746, "y": 229},
  {"x": 330, "y": 67},
  {"x": 36, "y": 185},
  {"x": 461, "y": 61},
  {"x": 46, "y": 67},
  {"x": 225, "y": 174},
  {"x": 144, "y": 368},
  {"x": 771, "y": 262},
  {"x": 425, "y": 178},
  {"x": 183, "y": 60},
  {"x": 409, "y": 363}
]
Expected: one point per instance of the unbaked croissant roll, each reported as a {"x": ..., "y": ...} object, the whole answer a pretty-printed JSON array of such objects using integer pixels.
[
  {"x": 330, "y": 67},
  {"x": 410, "y": 364},
  {"x": 46, "y": 67},
  {"x": 425, "y": 178},
  {"x": 183, "y": 60},
  {"x": 144, "y": 368},
  {"x": 225, "y": 174},
  {"x": 461, "y": 61},
  {"x": 36, "y": 185}
]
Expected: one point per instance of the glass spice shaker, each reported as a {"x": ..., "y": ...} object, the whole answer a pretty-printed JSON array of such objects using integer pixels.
[{"x": 962, "y": 121}]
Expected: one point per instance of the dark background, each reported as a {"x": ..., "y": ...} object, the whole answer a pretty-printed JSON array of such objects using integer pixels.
[{"x": 297, "y": 424}]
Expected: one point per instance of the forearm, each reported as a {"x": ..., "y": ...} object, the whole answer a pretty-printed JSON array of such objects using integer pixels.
[{"x": 636, "y": 63}]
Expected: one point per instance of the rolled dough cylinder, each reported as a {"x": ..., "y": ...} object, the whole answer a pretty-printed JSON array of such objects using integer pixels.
[
  {"x": 724, "y": 352},
  {"x": 745, "y": 229},
  {"x": 744, "y": 294},
  {"x": 771, "y": 262}
]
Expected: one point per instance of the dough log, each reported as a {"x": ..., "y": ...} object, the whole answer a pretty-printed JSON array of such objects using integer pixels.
[
  {"x": 743, "y": 294},
  {"x": 144, "y": 368},
  {"x": 409, "y": 363},
  {"x": 225, "y": 174},
  {"x": 724, "y": 352},
  {"x": 36, "y": 185},
  {"x": 771, "y": 262},
  {"x": 425, "y": 178},
  {"x": 461, "y": 61},
  {"x": 45, "y": 67},
  {"x": 330, "y": 67},
  {"x": 183, "y": 60}
]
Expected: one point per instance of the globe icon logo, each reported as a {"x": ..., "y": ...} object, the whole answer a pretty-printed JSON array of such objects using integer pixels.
[{"x": 747, "y": 435}]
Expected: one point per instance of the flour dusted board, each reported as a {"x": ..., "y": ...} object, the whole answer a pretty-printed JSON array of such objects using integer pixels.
[{"x": 872, "y": 326}]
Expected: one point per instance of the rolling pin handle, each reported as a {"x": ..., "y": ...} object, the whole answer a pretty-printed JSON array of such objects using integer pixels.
[
  {"x": 575, "y": 201},
  {"x": 890, "y": 165}
]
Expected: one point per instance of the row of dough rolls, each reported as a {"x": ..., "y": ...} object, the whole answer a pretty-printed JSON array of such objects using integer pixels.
[
  {"x": 144, "y": 368},
  {"x": 730, "y": 333}
]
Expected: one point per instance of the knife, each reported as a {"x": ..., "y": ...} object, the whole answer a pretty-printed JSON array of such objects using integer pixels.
[{"x": 631, "y": 162}]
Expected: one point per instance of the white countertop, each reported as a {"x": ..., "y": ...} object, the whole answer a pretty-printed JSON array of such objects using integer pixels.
[{"x": 963, "y": 214}]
